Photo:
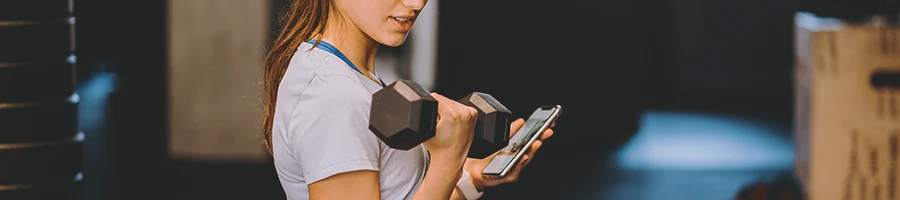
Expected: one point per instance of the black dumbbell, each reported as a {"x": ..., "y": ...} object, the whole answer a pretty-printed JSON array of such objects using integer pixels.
[
  {"x": 404, "y": 115},
  {"x": 492, "y": 126}
]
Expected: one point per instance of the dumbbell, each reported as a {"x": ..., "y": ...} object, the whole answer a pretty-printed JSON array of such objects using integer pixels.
[
  {"x": 404, "y": 115},
  {"x": 491, "y": 127}
]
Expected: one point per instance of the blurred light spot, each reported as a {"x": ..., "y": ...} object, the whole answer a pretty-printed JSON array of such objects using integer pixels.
[
  {"x": 692, "y": 141},
  {"x": 94, "y": 93}
]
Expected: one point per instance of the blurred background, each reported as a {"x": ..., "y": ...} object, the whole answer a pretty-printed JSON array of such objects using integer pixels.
[{"x": 664, "y": 99}]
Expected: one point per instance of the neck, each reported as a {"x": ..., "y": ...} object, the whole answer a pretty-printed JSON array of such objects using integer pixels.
[{"x": 353, "y": 43}]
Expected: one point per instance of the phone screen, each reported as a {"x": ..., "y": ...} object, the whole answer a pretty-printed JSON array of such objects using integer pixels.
[{"x": 519, "y": 141}]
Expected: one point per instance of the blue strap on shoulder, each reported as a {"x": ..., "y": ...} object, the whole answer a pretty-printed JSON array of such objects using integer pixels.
[{"x": 325, "y": 46}]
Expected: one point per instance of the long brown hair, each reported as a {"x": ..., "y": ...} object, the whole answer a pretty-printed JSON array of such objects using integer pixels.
[{"x": 304, "y": 20}]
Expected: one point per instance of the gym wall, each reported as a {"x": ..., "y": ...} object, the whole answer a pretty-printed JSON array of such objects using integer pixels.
[
  {"x": 179, "y": 68},
  {"x": 216, "y": 50},
  {"x": 41, "y": 144},
  {"x": 728, "y": 56},
  {"x": 212, "y": 118}
]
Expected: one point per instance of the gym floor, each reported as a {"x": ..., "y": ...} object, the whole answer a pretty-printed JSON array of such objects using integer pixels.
[
  {"x": 688, "y": 155},
  {"x": 679, "y": 155}
]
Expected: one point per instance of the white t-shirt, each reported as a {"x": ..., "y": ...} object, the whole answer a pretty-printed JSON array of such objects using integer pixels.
[{"x": 321, "y": 124}]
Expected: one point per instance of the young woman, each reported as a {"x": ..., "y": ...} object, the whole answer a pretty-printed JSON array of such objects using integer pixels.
[{"x": 319, "y": 80}]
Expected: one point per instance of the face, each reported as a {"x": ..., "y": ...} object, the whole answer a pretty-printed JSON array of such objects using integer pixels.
[{"x": 385, "y": 21}]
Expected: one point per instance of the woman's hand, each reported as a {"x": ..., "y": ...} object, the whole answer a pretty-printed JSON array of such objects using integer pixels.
[
  {"x": 448, "y": 148},
  {"x": 454, "y": 132},
  {"x": 475, "y": 166}
]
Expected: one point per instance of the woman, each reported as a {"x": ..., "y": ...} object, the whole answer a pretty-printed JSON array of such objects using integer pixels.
[{"x": 319, "y": 80}]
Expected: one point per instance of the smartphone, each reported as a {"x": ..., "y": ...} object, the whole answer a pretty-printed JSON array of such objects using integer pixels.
[{"x": 509, "y": 156}]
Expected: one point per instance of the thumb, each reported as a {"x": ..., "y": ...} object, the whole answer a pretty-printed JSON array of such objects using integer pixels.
[
  {"x": 444, "y": 104},
  {"x": 515, "y": 126},
  {"x": 439, "y": 97}
]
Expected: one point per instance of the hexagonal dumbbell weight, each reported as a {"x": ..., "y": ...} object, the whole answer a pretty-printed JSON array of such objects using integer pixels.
[
  {"x": 403, "y": 115},
  {"x": 492, "y": 126}
]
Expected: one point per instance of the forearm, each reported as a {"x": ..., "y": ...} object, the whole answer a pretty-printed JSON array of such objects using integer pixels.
[
  {"x": 467, "y": 183},
  {"x": 440, "y": 180},
  {"x": 457, "y": 195}
]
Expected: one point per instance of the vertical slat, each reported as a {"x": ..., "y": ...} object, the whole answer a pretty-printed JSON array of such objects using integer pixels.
[{"x": 40, "y": 145}]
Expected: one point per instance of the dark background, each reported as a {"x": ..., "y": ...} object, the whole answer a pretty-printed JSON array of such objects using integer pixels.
[{"x": 607, "y": 62}]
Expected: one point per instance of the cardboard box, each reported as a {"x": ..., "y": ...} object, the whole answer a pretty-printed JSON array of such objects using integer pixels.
[{"x": 847, "y": 114}]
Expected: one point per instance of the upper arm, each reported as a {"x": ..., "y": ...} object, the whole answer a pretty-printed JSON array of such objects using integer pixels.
[
  {"x": 349, "y": 185},
  {"x": 334, "y": 147}
]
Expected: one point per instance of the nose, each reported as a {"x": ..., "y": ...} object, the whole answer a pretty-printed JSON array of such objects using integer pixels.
[{"x": 416, "y": 5}]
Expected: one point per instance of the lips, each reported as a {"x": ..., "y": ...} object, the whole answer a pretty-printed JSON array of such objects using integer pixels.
[
  {"x": 403, "y": 23},
  {"x": 401, "y": 19}
]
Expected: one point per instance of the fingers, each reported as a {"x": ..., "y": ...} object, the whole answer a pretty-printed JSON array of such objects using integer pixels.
[
  {"x": 443, "y": 108},
  {"x": 513, "y": 176},
  {"x": 524, "y": 162},
  {"x": 515, "y": 126},
  {"x": 531, "y": 151},
  {"x": 534, "y": 147},
  {"x": 448, "y": 107},
  {"x": 547, "y": 133},
  {"x": 439, "y": 97}
]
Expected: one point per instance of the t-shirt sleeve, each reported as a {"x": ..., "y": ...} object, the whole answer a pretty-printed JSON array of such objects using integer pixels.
[{"x": 331, "y": 120}]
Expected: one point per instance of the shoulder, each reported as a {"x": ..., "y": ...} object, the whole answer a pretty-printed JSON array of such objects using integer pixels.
[
  {"x": 322, "y": 63},
  {"x": 317, "y": 75},
  {"x": 336, "y": 90}
]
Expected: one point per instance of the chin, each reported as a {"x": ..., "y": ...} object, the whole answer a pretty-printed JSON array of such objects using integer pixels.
[{"x": 393, "y": 40}]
